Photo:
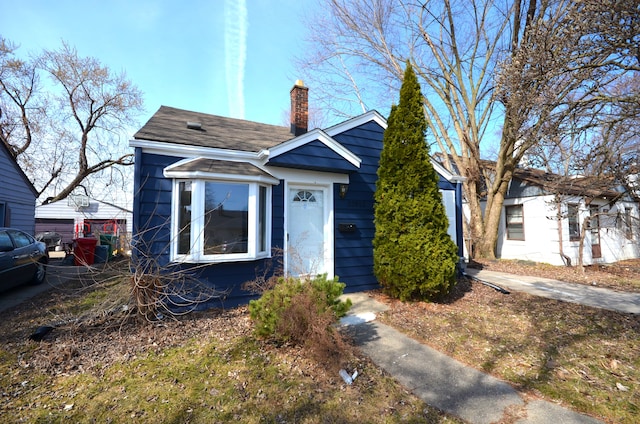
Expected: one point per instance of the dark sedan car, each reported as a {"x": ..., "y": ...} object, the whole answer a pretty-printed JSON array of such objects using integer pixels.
[{"x": 22, "y": 259}]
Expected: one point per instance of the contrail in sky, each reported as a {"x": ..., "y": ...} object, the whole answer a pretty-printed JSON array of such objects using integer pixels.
[{"x": 235, "y": 51}]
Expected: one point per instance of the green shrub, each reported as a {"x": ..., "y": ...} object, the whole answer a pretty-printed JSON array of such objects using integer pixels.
[
  {"x": 413, "y": 256},
  {"x": 272, "y": 313}
]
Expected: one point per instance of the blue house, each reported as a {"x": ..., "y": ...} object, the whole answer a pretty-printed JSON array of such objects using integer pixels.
[
  {"x": 224, "y": 198},
  {"x": 17, "y": 195}
]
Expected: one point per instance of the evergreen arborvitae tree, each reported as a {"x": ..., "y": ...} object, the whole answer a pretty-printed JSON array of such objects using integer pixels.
[{"x": 414, "y": 257}]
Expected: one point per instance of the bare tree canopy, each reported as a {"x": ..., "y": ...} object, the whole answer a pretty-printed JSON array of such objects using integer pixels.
[
  {"x": 506, "y": 77},
  {"x": 62, "y": 116}
]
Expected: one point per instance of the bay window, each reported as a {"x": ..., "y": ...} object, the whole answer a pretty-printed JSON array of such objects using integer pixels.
[{"x": 220, "y": 221}]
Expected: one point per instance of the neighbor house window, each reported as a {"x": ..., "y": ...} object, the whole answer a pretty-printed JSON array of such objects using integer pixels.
[
  {"x": 574, "y": 221},
  {"x": 218, "y": 221},
  {"x": 626, "y": 224},
  {"x": 515, "y": 222}
]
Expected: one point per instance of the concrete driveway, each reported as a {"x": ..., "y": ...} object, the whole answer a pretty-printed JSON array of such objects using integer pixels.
[{"x": 57, "y": 274}]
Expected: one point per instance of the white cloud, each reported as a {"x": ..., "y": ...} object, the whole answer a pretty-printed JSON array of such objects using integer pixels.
[{"x": 235, "y": 46}]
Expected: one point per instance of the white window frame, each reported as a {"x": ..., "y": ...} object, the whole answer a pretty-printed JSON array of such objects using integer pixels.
[
  {"x": 514, "y": 226},
  {"x": 196, "y": 253}
]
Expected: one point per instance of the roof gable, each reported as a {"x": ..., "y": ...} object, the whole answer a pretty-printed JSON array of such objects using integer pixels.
[
  {"x": 194, "y": 134},
  {"x": 318, "y": 156},
  {"x": 19, "y": 170},
  {"x": 284, "y": 153}
]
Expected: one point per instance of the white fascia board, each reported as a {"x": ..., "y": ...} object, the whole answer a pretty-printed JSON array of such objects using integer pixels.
[
  {"x": 218, "y": 176},
  {"x": 356, "y": 121},
  {"x": 184, "y": 150},
  {"x": 300, "y": 176},
  {"x": 446, "y": 173},
  {"x": 308, "y": 137},
  {"x": 169, "y": 172}
]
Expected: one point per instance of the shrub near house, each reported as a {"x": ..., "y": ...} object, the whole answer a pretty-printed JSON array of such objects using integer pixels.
[{"x": 414, "y": 257}]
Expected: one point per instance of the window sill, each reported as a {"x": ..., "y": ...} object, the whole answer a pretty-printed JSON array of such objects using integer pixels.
[{"x": 219, "y": 260}]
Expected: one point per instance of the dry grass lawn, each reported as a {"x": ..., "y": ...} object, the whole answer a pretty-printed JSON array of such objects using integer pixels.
[
  {"x": 208, "y": 367},
  {"x": 585, "y": 358}
]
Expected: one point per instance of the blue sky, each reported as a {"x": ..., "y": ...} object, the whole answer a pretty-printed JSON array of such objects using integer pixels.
[{"x": 226, "y": 57}]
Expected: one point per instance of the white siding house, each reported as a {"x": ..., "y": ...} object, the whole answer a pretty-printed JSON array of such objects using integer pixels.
[
  {"x": 79, "y": 216},
  {"x": 551, "y": 219},
  {"x": 610, "y": 235}
]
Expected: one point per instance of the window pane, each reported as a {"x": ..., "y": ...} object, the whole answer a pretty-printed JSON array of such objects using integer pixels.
[
  {"x": 574, "y": 225},
  {"x": 5, "y": 242},
  {"x": 21, "y": 239},
  {"x": 627, "y": 224},
  {"x": 514, "y": 222},
  {"x": 226, "y": 224},
  {"x": 262, "y": 219},
  {"x": 184, "y": 218}
]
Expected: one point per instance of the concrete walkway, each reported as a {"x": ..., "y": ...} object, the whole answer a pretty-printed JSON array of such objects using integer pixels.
[
  {"x": 443, "y": 382},
  {"x": 596, "y": 297}
]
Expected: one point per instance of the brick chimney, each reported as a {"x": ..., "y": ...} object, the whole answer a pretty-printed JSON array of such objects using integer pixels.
[{"x": 299, "y": 108}]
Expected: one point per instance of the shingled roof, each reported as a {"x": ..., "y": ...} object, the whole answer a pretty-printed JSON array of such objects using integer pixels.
[
  {"x": 170, "y": 125},
  {"x": 589, "y": 186},
  {"x": 550, "y": 183},
  {"x": 220, "y": 167}
]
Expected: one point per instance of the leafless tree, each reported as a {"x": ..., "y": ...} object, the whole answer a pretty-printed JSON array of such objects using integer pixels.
[
  {"x": 62, "y": 116},
  {"x": 539, "y": 72}
]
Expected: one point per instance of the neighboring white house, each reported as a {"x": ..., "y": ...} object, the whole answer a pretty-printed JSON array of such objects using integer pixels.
[
  {"x": 79, "y": 216},
  {"x": 545, "y": 217}
]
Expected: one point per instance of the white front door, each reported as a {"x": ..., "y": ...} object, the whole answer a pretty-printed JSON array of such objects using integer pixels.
[{"x": 307, "y": 248}]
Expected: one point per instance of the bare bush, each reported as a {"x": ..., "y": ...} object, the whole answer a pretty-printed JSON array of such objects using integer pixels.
[{"x": 313, "y": 328}]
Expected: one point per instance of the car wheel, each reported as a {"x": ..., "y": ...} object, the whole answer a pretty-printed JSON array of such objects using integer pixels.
[{"x": 41, "y": 273}]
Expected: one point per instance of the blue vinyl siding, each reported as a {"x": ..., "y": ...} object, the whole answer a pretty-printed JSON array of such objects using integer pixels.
[
  {"x": 277, "y": 216},
  {"x": 313, "y": 156},
  {"x": 152, "y": 229},
  {"x": 152, "y": 208},
  {"x": 354, "y": 250},
  {"x": 17, "y": 195}
]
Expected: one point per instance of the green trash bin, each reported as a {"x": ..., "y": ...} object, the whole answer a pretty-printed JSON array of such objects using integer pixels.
[{"x": 109, "y": 241}]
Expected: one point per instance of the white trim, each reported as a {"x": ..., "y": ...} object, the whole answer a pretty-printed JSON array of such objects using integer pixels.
[
  {"x": 190, "y": 151},
  {"x": 168, "y": 172},
  {"x": 328, "y": 224},
  {"x": 301, "y": 176},
  {"x": 446, "y": 173},
  {"x": 197, "y": 228},
  {"x": 198, "y": 175},
  {"x": 308, "y": 137},
  {"x": 371, "y": 115}
]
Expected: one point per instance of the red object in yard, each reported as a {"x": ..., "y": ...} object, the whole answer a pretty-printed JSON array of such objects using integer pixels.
[{"x": 84, "y": 251}]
